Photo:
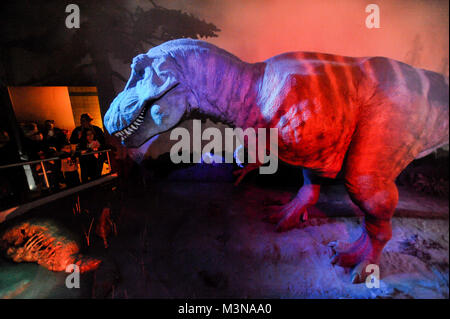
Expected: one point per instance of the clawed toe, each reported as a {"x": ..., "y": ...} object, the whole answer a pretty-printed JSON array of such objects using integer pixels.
[
  {"x": 335, "y": 248},
  {"x": 334, "y": 259},
  {"x": 291, "y": 220},
  {"x": 286, "y": 218},
  {"x": 355, "y": 279},
  {"x": 333, "y": 245},
  {"x": 348, "y": 254},
  {"x": 357, "y": 254},
  {"x": 338, "y": 246},
  {"x": 345, "y": 259},
  {"x": 359, "y": 273}
]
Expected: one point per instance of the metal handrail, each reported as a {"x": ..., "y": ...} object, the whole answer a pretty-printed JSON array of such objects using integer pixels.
[
  {"x": 49, "y": 159},
  {"x": 30, "y": 162}
]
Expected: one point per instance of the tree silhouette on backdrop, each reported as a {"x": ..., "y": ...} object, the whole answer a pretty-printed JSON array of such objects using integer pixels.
[{"x": 36, "y": 48}]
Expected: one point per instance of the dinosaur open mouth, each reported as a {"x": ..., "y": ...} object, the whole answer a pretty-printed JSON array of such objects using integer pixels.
[{"x": 133, "y": 127}]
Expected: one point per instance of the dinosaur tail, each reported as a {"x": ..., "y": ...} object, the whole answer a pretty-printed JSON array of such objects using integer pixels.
[{"x": 438, "y": 99}]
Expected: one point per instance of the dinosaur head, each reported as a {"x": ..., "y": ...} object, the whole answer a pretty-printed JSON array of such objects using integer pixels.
[{"x": 153, "y": 101}]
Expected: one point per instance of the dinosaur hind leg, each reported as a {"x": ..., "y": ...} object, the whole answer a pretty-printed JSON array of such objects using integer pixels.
[
  {"x": 289, "y": 215},
  {"x": 386, "y": 140},
  {"x": 377, "y": 198}
]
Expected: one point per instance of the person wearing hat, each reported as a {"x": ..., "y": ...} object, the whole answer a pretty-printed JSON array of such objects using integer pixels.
[
  {"x": 79, "y": 137},
  {"x": 78, "y": 134}
]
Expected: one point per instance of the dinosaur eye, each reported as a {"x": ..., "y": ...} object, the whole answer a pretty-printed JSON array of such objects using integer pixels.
[
  {"x": 156, "y": 113},
  {"x": 140, "y": 72}
]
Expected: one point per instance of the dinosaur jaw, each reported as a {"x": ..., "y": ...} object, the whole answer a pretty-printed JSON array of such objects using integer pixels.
[
  {"x": 154, "y": 116},
  {"x": 129, "y": 134}
]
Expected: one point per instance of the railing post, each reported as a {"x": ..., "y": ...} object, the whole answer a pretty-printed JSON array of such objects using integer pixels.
[
  {"x": 109, "y": 163},
  {"x": 45, "y": 175},
  {"x": 29, "y": 176}
]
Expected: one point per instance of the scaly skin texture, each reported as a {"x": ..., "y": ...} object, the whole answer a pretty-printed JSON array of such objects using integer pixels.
[{"x": 365, "y": 117}]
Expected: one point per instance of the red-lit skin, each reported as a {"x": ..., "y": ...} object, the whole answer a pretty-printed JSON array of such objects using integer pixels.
[
  {"x": 369, "y": 128},
  {"x": 378, "y": 124}
]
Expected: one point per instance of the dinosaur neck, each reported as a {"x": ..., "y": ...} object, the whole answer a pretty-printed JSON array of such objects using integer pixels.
[{"x": 225, "y": 87}]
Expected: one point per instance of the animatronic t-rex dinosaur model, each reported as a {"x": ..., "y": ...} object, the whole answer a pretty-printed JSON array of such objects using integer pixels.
[{"x": 368, "y": 117}]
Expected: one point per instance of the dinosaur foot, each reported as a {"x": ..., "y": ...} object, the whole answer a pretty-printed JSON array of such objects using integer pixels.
[
  {"x": 360, "y": 272},
  {"x": 288, "y": 216},
  {"x": 358, "y": 255}
]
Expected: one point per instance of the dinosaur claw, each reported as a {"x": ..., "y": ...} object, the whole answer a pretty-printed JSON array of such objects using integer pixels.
[
  {"x": 355, "y": 279},
  {"x": 304, "y": 216},
  {"x": 334, "y": 259},
  {"x": 333, "y": 245}
]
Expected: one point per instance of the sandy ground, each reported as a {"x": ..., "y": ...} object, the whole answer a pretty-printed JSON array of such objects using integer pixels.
[{"x": 208, "y": 240}]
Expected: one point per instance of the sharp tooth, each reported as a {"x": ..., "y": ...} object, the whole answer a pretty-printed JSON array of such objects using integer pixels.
[{"x": 134, "y": 127}]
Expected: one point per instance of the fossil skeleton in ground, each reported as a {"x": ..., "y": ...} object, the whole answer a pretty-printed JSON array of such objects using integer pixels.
[{"x": 41, "y": 242}]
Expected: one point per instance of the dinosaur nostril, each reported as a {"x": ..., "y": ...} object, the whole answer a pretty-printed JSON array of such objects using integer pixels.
[{"x": 108, "y": 120}]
